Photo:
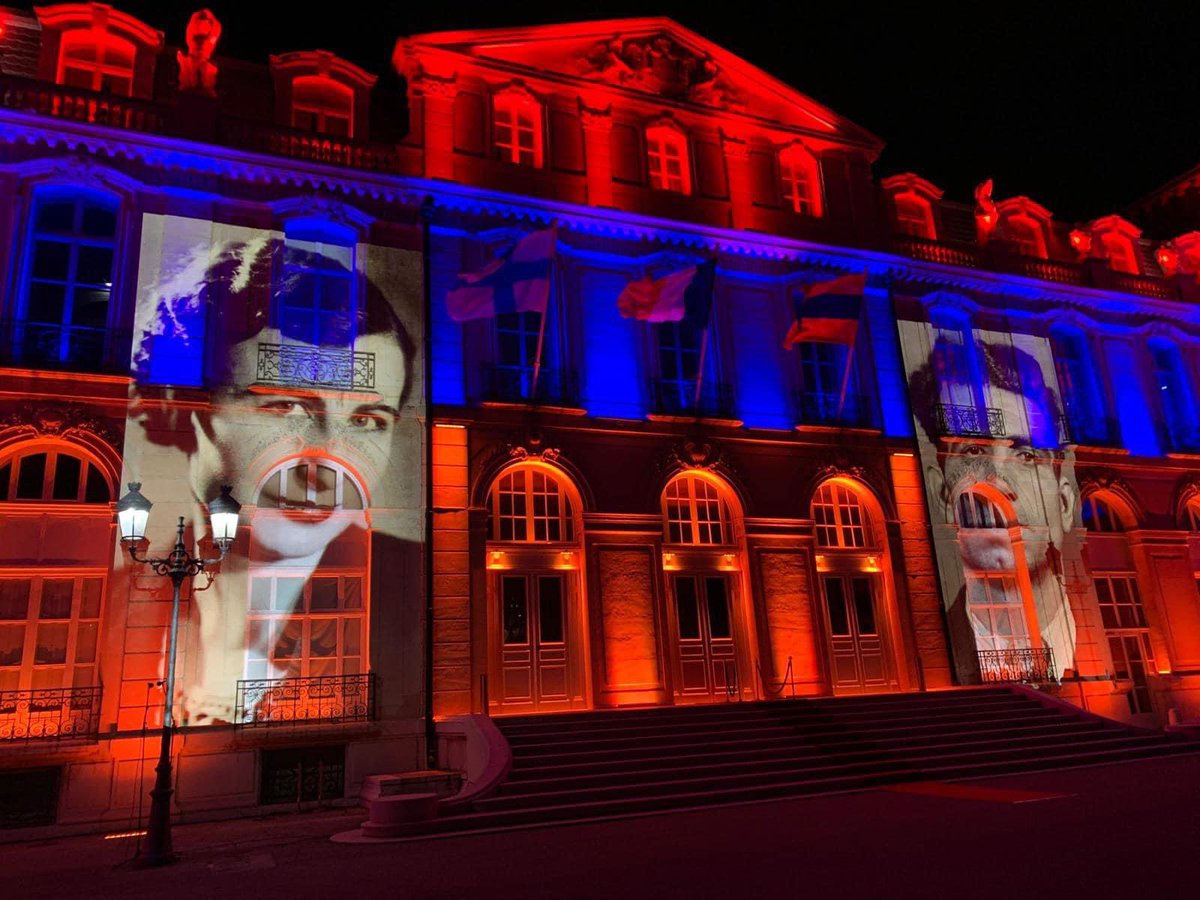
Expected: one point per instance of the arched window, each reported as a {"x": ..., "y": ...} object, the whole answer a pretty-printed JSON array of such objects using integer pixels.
[
  {"x": 1099, "y": 515},
  {"x": 310, "y": 484},
  {"x": 695, "y": 512},
  {"x": 96, "y": 61},
  {"x": 977, "y": 510},
  {"x": 317, "y": 285},
  {"x": 1118, "y": 250},
  {"x": 529, "y": 503},
  {"x": 840, "y": 518},
  {"x": 667, "y": 160},
  {"x": 801, "y": 180},
  {"x": 321, "y": 104},
  {"x": 1027, "y": 234},
  {"x": 52, "y": 474},
  {"x": 913, "y": 216},
  {"x": 517, "y": 128},
  {"x": 64, "y": 314}
]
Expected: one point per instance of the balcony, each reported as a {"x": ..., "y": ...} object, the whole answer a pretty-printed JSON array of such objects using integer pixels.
[
  {"x": 515, "y": 384},
  {"x": 178, "y": 119},
  {"x": 968, "y": 421},
  {"x": 832, "y": 411},
  {"x": 1017, "y": 665},
  {"x": 671, "y": 397},
  {"x": 302, "y": 365},
  {"x": 64, "y": 348},
  {"x": 50, "y": 714},
  {"x": 316, "y": 700}
]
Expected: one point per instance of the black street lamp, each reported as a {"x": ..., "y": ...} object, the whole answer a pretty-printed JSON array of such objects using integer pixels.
[{"x": 133, "y": 510}]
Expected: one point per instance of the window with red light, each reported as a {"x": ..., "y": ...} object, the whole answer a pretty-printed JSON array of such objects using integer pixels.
[
  {"x": 800, "y": 181},
  {"x": 49, "y": 635},
  {"x": 695, "y": 512},
  {"x": 913, "y": 216},
  {"x": 323, "y": 105},
  {"x": 530, "y": 504},
  {"x": 517, "y": 129},
  {"x": 1027, "y": 234},
  {"x": 839, "y": 517},
  {"x": 667, "y": 160},
  {"x": 1119, "y": 252},
  {"x": 50, "y": 474},
  {"x": 1100, "y": 516},
  {"x": 96, "y": 62}
]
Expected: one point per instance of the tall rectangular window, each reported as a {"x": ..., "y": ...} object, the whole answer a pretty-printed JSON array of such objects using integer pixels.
[
  {"x": 823, "y": 371},
  {"x": 667, "y": 159},
  {"x": 1128, "y": 634},
  {"x": 317, "y": 287},
  {"x": 49, "y": 631},
  {"x": 305, "y": 626},
  {"x": 323, "y": 105},
  {"x": 517, "y": 129},
  {"x": 64, "y": 314}
]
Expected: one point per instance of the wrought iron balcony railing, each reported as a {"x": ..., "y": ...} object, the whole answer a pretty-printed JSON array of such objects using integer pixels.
[
  {"x": 671, "y": 397},
  {"x": 818, "y": 408},
  {"x": 1025, "y": 665},
  {"x": 264, "y": 137},
  {"x": 302, "y": 365},
  {"x": 317, "y": 699},
  {"x": 62, "y": 102},
  {"x": 63, "y": 348},
  {"x": 50, "y": 714},
  {"x": 515, "y": 384},
  {"x": 969, "y": 421}
]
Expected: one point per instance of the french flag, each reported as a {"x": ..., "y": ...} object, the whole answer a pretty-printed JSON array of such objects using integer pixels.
[
  {"x": 686, "y": 294},
  {"x": 828, "y": 312},
  {"x": 516, "y": 281}
]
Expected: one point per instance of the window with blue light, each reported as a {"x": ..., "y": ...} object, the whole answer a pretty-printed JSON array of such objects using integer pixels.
[
  {"x": 63, "y": 315},
  {"x": 686, "y": 382},
  {"x": 1079, "y": 384},
  {"x": 317, "y": 287},
  {"x": 1175, "y": 399},
  {"x": 829, "y": 391},
  {"x": 526, "y": 362}
]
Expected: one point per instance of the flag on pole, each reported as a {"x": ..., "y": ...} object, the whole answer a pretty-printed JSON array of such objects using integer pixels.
[
  {"x": 686, "y": 294},
  {"x": 828, "y": 312},
  {"x": 516, "y": 281}
]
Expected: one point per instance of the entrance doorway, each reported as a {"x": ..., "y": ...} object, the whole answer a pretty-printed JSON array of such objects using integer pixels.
[
  {"x": 533, "y": 641},
  {"x": 856, "y": 648},
  {"x": 704, "y": 633}
]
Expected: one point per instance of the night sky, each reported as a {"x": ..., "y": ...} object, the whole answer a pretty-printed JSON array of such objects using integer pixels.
[{"x": 1082, "y": 110}]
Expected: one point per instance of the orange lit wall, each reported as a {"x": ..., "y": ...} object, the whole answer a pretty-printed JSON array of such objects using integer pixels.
[
  {"x": 921, "y": 577},
  {"x": 451, "y": 574}
]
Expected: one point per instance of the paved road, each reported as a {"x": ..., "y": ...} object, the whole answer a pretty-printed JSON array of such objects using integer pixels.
[{"x": 1130, "y": 831}]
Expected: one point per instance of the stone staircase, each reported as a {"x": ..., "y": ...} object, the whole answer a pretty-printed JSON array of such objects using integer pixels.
[{"x": 583, "y": 765}]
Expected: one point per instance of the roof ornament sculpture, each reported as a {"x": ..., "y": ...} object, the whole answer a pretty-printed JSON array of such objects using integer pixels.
[
  {"x": 660, "y": 65},
  {"x": 986, "y": 214},
  {"x": 197, "y": 72}
]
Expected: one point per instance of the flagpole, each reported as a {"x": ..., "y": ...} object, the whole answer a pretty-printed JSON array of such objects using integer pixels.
[
  {"x": 700, "y": 370},
  {"x": 845, "y": 381},
  {"x": 537, "y": 359}
]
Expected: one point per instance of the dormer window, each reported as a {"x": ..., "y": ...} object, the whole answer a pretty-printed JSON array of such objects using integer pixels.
[
  {"x": 912, "y": 200},
  {"x": 93, "y": 47},
  {"x": 517, "y": 128},
  {"x": 1114, "y": 239},
  {"x": 319, "y": 92},
  {"x": 96, "y": 62},
  {"x": 1026, "y": 235},
  {"x": 323, "y": 105},
  {"x": 667, "y": 159},
  {"x": 800, "y": 180}
]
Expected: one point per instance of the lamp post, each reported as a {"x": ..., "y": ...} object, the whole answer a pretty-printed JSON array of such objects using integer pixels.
[{"x": 133, "y": 511}]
